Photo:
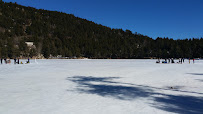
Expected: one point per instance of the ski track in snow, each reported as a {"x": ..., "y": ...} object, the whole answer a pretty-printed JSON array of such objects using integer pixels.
[{"x": 101, "y": 87}]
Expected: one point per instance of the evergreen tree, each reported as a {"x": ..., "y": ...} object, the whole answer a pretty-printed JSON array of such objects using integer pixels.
[{"x": 56, "y": 33}]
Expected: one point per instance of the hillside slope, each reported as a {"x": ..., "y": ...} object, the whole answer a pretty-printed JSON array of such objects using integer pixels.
[{"x": 56, "y": 33}]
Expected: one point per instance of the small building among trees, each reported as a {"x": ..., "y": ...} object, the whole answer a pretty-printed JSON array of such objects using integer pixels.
[{"x": 29, "y": 44}]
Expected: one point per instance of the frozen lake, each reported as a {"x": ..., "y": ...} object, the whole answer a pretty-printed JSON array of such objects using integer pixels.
[{"x": 101, "y": 87}]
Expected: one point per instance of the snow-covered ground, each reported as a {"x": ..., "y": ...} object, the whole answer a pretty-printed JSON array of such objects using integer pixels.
[{"x": 101, "y": 87}]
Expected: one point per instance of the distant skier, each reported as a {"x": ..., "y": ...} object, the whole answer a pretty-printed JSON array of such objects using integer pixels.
[
  {"x": 183, "y": 60},
  {"x": 193, "y": 60},
  {"x": 189, "y": 60},
  {"x": 1, "y": 61}
]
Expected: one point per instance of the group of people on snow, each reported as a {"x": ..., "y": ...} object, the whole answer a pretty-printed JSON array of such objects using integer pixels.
[
  {"x": 171, "y": 60},
  {"x": 16, "y": 61}
]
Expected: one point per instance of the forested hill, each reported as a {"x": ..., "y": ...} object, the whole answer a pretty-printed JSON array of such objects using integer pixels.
[{"x": 56, "y": 33}]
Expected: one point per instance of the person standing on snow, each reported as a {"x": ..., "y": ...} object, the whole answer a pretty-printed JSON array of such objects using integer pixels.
[
  {"x": 18, "y": 61},
  {"x": 14, "y": 60},
  {"x": 5, "y": 60},
  {"x": 28, "y": 61}
]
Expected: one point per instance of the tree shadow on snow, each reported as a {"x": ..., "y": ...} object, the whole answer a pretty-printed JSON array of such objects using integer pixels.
[
  {"x": 103, "y": 88},
  {"x": 106, "y": 87},
  {"x": 201, "y": 80},
  {"x": 180, "y": 104},
  {"x": 195, "y": 73}
]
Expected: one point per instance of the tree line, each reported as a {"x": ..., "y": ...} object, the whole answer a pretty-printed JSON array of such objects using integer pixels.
[{"x": 56, "y": 33}]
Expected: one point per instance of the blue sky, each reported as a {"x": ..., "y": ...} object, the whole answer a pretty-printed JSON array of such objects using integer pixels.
[{"x": 176, "y": 19}]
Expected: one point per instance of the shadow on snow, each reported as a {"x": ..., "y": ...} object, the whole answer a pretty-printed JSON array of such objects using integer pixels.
[
  {"x": 201, "y": 80},
  {"x": 195, "y": 73},
  {"x": 180, "y": 104},
  {"x": 104, "y": 86},
  {"x": 105, "y": 89}
]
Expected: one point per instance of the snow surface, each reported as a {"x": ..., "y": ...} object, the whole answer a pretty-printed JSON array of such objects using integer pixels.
[{"x": 101, "y": 87}]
